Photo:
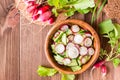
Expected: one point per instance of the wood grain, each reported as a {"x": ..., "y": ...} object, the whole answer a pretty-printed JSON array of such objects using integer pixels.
[{"x": 22, "y": 50}]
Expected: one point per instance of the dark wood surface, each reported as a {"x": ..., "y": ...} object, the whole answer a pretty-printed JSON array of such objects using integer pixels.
[{"x": 22, "y": 50}]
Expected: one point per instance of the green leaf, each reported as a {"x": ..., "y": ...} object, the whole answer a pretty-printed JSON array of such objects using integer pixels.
[
  {"x": 43, "y": 71},
  {"x": 75, "y": 68},
  {"x": 84, "y": 4},
  {"x": 70, "y": 12},
  {"x": 117, "y": 30},
  {"x": 68, "y": 77},
  {"x": 54, "y": 3},
  {"x": 106, "y": 26},
  {"x": 116, "y": 62},
  {"x": 54, "y": 11},
  {"x": 84, "y": 11},
  {"x": 100, "y": 9}
]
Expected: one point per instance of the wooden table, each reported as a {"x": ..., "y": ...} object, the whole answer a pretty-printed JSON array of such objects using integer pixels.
[{"x": 22, "y": 50}]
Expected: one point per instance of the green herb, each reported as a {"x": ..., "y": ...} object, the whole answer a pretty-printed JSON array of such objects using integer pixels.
[
  {"x": 111, "y": 31},
  {"x": 116, "y": 62},
  {"x": 94, "y": 10},
  {"x": 94, "y": 17},
  {"x": 71, "y": 6},
  {"x": 43, "y": 71},
  {"x": 68, "y": 77}
]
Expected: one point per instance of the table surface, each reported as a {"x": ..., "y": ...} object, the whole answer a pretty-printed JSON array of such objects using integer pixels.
[{"x": 22, "y": 51}]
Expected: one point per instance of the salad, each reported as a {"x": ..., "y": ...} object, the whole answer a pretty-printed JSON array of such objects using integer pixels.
[{"x": 72, "y": 46}]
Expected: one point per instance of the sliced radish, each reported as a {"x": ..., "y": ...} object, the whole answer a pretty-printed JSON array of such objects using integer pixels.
[
  {"x": 71, "y": 37},
  {"x": 43, "y": 9},
  {"x": 59, "y": 48},
  {"x": 88, "y": 42},
  {"x": 73, "y": 52},
  {"x": 66, "y": 61},
  {"x": 75, "y": 28},
  {"x": 56, "y": 34},
  {"x": 45, "y": 16},
  {"x": 51, "y": 20},
  {"x": 83, "y": 60},
  {"x": 91, "y": 51},
  {"x": 35, "y": 17},
  {"x": 64, "y": 27},
  {"x": 70, "y": 45},
  {"x": 83, "y": 50},
  {"x": 78, "y": 39},
  {"x": 88, "y": 34}
]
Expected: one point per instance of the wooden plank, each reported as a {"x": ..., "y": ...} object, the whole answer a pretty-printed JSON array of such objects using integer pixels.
[{"x": 9, "y": 55}]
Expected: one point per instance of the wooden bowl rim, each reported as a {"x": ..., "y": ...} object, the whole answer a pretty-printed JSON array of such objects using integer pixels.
[{"x": 82, "y": 24}]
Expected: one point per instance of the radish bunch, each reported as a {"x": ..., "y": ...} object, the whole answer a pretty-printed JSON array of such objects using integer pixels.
[
  {"x": 39, "y": 12},
  {"x": 72, "y": 46}
]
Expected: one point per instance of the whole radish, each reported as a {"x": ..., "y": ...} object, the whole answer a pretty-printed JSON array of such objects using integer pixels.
[
  {"x": 51, "y": 20},
  {"x": 43, "y": 9},
  {"x": 45, "y": 16},
  {"x": 103, "y": 70}
]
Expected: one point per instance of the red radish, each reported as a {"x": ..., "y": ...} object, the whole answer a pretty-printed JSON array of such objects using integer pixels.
[
  {"x": 87, "y": 42},
  {"x": 51, "y": 20},
  {"x": 31, "y": 9},
  {"x": 83, "y": 50},
  {"x": 75, "y": 28},
  {"x": 59, "y": 48},
  {"x": 78, "y": 39},
  {"x": 35, "y": 12},
  {"x": 91, "y": 51},
  {"x": 71, "y": 37},
  {"x": 73, "y": 52},
  {"x": 97, "y": 65},
  {"x": 103, "y": 70},
  {"x": 70, "y": 45},
  {"x": 66, "y": 61},
  {"x": 64, "y": 27},
  {"x": 43, "y": 9},
  {"x": 45, "y": 16},
  {"x": 35, "y": 17}
]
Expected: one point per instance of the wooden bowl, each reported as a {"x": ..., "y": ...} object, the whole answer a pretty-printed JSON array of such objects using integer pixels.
[{"x": 49, "y": 54}]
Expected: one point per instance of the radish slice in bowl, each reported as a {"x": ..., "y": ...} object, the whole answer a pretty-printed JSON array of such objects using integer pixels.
[
  {"x": 87, "y": 42},
  {"x": 78, "y": 39},
  {"x": 59, "y": 48},
  {"x": 83, "y": 50}
]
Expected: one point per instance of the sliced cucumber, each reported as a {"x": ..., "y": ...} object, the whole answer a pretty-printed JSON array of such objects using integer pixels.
[
  {"x": 59, "y": 48},
  {"x": 68, "y": 32},
  {"x": 58, "y": 37},
  {"x": 73, "y": 63},
  {"x": 64, "y": 39},
  {"x": 76, "y": 68},
  {"x": 85, "y": 59},
  {"x": 59, "y": 59},
  {"x": 53, "y": 48}
]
